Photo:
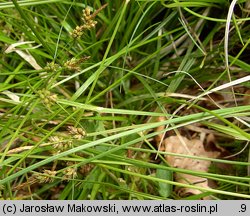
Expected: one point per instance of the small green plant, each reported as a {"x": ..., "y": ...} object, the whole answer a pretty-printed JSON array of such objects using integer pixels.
[{"x": 85, "y": 92}]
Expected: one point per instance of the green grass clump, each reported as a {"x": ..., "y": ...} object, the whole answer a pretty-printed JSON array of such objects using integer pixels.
[{"x": 83, "y": 84}]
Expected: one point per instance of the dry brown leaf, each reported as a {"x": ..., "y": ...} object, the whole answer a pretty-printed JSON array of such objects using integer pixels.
[
  {"x": 160, "y": 137},
  {"x": 192, "y": 147},
  {"x": 24, "y": 54},
  {"x": 247, "y": 98}
]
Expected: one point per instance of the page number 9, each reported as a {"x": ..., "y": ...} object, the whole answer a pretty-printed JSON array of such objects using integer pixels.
[{"x": 243, "y": 208}]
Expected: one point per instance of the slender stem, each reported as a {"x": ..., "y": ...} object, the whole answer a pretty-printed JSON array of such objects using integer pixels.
[{"x": 28, "y": 21}]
